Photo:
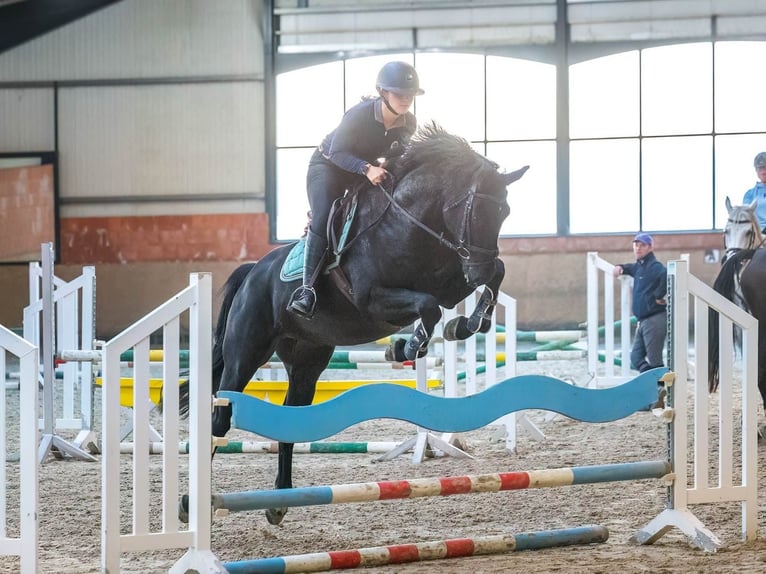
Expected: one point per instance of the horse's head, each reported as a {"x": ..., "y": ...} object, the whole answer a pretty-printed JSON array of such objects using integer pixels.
[
  {"x": 742, "y": 230},
  {"x": 472, "y": 197},
  {"x": 474, "y": 220}
]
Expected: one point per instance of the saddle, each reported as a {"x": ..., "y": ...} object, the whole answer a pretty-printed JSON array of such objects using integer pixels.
[{"x": 341, "y": 233}]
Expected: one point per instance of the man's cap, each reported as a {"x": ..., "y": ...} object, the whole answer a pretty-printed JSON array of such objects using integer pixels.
[
  {"x": 760, "y": 160},
  {"x": 643, "y": 238}
]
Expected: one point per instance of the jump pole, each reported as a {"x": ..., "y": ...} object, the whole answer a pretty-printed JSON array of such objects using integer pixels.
[
  {"x": 443, "y": 486},
  {"x": 403, "y": 553},
  {"x": 272, "y": 447}
]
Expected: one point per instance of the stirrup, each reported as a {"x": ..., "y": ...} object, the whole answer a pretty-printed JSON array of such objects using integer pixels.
[{"x": 298, "y": 303}]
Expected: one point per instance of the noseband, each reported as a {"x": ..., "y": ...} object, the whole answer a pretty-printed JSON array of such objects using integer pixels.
[{"x": 470, "y": 254}]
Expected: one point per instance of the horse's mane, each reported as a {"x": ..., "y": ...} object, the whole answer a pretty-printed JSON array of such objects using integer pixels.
[
  {"x": 726, "y": 280},
  {"x": 726, "y": 285},
  {"x": 432, "y": 145}
]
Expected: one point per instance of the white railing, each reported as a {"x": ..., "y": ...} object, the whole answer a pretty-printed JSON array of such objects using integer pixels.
[
  {"x": 62, "y": 315},
  {"x": 602, "y": 369},
  {"x": 602, "y": 365},
  {"x": 473, "y": 348},
  {"x": 25, "y": 544},
  {"x": 727, "y": 487},
  {"x": 680, "y": 493},
  {"x": 196, "y": 300}
]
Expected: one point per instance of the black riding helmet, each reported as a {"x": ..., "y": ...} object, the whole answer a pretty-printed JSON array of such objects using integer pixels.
[{"x": 400, "y": 78}]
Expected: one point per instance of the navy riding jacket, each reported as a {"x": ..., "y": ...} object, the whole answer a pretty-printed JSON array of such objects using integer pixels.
[
  {"x": 650, "y": 283},
  {"x": 361, "y": 137}
]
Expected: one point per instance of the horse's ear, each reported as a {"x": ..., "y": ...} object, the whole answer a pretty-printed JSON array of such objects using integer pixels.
[
  {"x": 728, "y": 204},
  {"x": 509, "y": 178}
]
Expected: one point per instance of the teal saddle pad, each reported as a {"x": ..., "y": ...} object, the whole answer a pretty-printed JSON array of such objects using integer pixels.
[{"x": 292, "y": 268}]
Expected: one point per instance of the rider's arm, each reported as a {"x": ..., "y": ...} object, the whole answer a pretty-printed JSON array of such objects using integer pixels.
[{"x": 357, "y": 125}]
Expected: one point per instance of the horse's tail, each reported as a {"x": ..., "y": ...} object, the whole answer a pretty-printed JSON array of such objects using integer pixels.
[
  {"x": 712, "y": 350},
  {"x": 725, "y": 284},
  {"x": 229, "y": 289}
]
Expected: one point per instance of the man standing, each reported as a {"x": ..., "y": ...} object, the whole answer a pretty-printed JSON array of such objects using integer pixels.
[{"x": 649, "y": 290}]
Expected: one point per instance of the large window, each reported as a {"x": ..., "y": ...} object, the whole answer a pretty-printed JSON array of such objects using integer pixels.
[{"x": 657, "y": 137}]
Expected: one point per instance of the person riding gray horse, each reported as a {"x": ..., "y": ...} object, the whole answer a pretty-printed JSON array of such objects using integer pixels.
[{"x": 367, "y": 132}]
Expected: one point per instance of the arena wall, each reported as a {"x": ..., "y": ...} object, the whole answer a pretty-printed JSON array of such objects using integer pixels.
[{"x": 545, "y": 274}]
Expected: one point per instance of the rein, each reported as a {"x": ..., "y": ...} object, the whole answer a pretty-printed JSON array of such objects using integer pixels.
[{"x": 462, "y": 248}]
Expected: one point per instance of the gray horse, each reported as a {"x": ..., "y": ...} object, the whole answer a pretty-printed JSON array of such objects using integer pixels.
[{"x": 741, "y": 280}]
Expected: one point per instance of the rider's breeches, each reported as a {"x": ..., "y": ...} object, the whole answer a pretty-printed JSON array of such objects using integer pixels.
[{"x": 324, "y": 182}]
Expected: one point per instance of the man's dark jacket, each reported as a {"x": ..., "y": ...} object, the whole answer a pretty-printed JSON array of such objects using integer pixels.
[{"x": 650, "y": 283}]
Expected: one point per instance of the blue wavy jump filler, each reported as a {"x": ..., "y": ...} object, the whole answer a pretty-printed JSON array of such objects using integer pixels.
[{"x": 440, "y": 414}]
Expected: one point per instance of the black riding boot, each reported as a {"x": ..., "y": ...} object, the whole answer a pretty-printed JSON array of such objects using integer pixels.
[{"x": 303, "y": 300}]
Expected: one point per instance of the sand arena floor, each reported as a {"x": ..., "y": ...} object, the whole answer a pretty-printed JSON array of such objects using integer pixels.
[{"x": 70, "y": 500}]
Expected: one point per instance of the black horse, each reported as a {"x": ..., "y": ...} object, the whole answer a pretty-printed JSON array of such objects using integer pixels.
[
  {"x": 741, "y": 280},
  {"x": 429, "y": 242}
]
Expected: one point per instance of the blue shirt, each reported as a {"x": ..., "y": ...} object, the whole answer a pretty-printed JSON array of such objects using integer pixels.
[{"x": 757, "y": 193}]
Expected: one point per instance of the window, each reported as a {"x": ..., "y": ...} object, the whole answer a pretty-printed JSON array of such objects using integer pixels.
[{"x": 658, "y": 137}]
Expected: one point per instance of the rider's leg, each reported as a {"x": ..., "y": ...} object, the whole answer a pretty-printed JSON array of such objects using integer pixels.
[
  {"x": 303, "y": 300},
  {"x": 324, "y": 182}
]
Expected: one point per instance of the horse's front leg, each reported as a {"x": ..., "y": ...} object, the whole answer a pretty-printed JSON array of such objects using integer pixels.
[
  {"x": 397, "y": 306},
  {"x": 304, "y": 363},
  {"x": 221, "y": 422},
  {"x": 480, "y": 321}
]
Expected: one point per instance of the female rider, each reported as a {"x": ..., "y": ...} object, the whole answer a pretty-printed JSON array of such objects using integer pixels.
[{"x": 350, "y": 151}]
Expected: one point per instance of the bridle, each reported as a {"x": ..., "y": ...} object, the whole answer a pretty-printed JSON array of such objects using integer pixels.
[
  {"x": 753, "y": 242},
  {"x": 470, "y": 254}
]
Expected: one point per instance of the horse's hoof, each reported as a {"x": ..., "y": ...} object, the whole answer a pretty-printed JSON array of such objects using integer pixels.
[
  {"x": 183, "y": 509},
  {"x": 456, "y": 329},
  {"x": 395, "y": 351},
  {"x": 275, "y": 515}
]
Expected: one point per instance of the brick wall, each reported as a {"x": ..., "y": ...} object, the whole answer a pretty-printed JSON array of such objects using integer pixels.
[
  {"x": 26, "y": 211},
  {"x": 186, "y": 238}
]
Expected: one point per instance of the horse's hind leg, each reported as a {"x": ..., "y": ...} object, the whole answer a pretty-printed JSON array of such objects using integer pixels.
[
  {"x": 304, "y": 363},
  {"x": 233, "y": 374},
  {"x": 249, "y": 342}
]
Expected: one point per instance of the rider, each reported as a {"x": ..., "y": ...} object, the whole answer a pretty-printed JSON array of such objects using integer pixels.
[
  {"x": 758, "y": 193},
  {"x": 366, "y": 132}
]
